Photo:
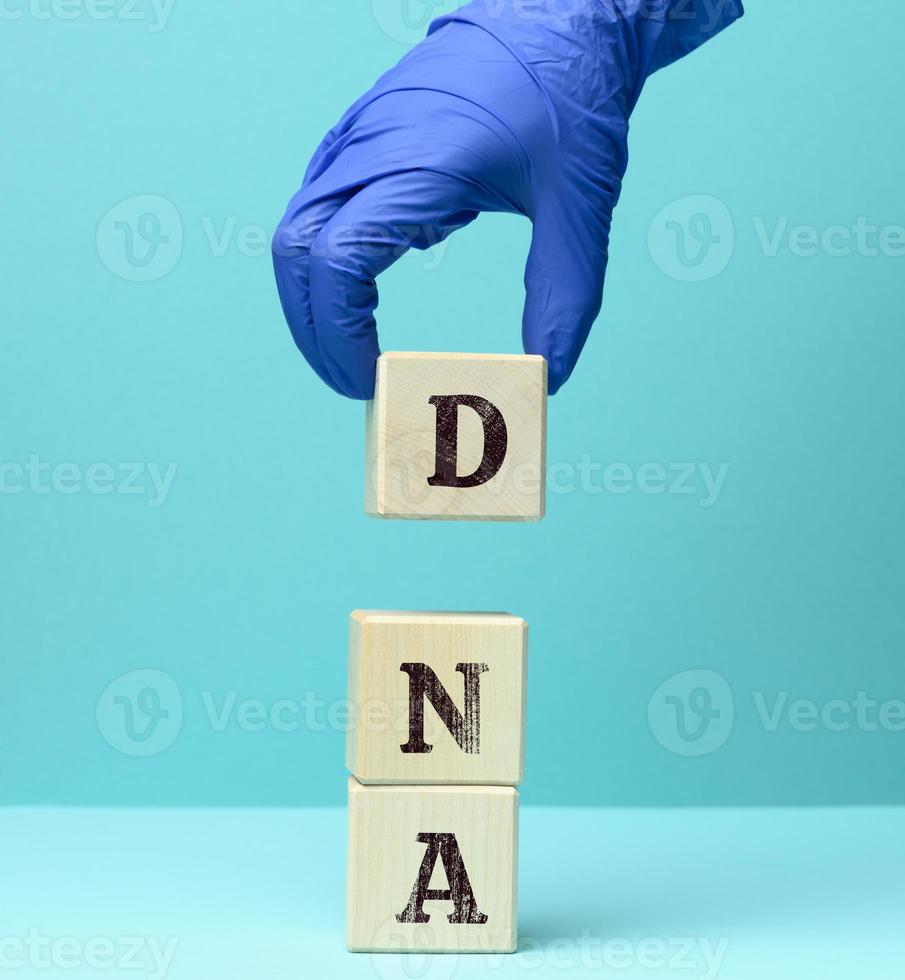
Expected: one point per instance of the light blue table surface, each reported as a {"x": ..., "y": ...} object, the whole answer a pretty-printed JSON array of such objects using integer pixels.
[{"x": 259, "y": 893}]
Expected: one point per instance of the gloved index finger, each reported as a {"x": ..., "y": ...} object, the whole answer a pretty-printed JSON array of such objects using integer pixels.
[
  {"x": 376, "y": 227},
  {"x": 305, "y": 218}
]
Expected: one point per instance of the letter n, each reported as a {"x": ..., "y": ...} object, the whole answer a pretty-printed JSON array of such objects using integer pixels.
[{"x": 464, "y": 726}]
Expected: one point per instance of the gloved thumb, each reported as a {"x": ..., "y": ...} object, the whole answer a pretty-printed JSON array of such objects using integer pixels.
[{"x": 564, "y": 282}]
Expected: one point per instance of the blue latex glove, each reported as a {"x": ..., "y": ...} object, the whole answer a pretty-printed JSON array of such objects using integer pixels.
[{"x": 507, "y": 105}]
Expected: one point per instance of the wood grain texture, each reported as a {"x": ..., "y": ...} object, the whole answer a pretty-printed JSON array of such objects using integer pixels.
[
  {"x": 401, "y": 437},
  {"x": 381, "y": 693},
  {"x": 386, "y": 859}
]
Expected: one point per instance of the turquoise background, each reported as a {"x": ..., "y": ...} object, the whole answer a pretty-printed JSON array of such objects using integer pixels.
[{"x": 238, "y": 584}]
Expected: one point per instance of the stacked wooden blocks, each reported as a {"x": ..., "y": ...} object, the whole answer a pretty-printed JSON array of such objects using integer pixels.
[{"x": 438, "y": 744}]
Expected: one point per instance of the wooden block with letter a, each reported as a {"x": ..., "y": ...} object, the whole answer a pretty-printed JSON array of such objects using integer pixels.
[
  {"x": 432, "y": 868},
  {"x": 436, "y": 697},
  {"x": 457, "y": 437}
]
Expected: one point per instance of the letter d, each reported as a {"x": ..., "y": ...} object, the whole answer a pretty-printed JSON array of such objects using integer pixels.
[{"x": 496, "y": 440}]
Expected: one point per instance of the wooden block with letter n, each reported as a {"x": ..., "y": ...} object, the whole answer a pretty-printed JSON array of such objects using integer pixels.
[
  {"x": 432, "y": 868},
  {"x": 437, "y": 697},
  {"x": 457, "y": 437}
]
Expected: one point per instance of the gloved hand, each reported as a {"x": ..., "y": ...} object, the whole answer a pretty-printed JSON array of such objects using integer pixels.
[{"x": 507, "y": 105}]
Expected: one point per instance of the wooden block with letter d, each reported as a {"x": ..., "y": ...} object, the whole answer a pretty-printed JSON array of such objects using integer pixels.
[
  {"x": 432, "y": 868},
  {"x": 457, "y": 437},
  {"x": 436, "y": 697}
]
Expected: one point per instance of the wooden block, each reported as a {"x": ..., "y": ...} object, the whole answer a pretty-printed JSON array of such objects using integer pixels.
[
  {"x": 436, "y": 697},
  {"x": 432, "y": 868},
  {"x": 457, "y": 437}
]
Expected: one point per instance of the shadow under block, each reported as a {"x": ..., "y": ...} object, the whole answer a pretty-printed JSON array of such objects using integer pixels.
[
  {"x": 432, "y": 868},
  {"x": 437, "y": 697},
  {"x": 457, "y": 437}
]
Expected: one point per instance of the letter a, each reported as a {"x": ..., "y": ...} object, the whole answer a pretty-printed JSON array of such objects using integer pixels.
[{"x": 465, "y": 907}]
